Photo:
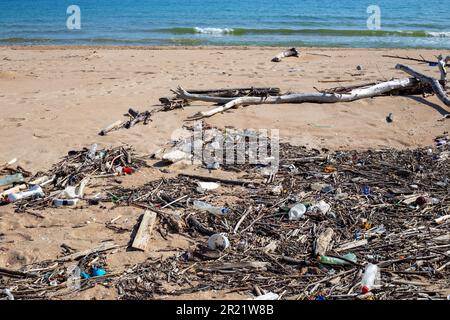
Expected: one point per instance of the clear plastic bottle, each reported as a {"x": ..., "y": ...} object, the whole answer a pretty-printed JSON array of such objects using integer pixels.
[
  {"x": 369, "y": 277},
  {"x": 33, "y": 192},
  {"x": 15, "y": 178},
  {"x": 201, "y": 205},
  {"x": 92, "y": 151}
]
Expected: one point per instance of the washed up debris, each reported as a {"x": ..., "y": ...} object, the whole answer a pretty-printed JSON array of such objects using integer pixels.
[
  {"x": 11, "y": 179},
  {"x": 98, "y": 272},
  {"x": 65, "y": 202},
  {"x": 65, "y": 182},
  {"x": 207, "y": 186},
  {"x": 204, "y": 206},
  {"x": 389, "y": 118},
  {"x": 288, "y": 53},
  {"x": 297, "y": 211},
  {"x": 323, "y": 242},
  {"x": 401, "y": 229},
  {"x": 33, "y": 192},
  {"x": 370, "y": 275},
  {"x": 267, "y": 296},
  {"x": 346, "y": 259},
  {"x": 218, "y": 241},
  {"x": 134, "y": 118},
  {"x": 144, "y": 231}
]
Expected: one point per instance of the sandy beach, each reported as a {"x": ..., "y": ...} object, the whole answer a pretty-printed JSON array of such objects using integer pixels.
[{"x": 56, "y": 99}]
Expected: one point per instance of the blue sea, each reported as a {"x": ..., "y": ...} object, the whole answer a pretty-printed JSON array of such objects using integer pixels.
[{"x": 401, "y": 23}]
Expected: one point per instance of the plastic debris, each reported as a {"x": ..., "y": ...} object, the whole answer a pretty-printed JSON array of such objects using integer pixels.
[
  {"x": 369, "y": 277},
  {"x": 297, "y": 211},
  {"x": 267, "y": 296},
  {"x": 218, "y": 241},
  {"x": 338, "y": 262},
  {"x": 204, "y": 206},
  {"x": 33, "y": 192}
]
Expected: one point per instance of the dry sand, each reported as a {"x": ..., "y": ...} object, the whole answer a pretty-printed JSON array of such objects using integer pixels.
[{"x": 57, "y": 99}]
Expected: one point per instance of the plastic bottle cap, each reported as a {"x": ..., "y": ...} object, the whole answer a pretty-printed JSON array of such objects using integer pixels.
[
  {"x": 365, "y": 289},
  {"x": 127, "y": 170}
]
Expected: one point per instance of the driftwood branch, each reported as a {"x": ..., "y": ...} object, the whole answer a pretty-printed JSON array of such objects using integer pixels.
[
  {"x": 435, "y": 84},
  {"x": 442, "y": 63},
  {"x": 317, "y": 97}
]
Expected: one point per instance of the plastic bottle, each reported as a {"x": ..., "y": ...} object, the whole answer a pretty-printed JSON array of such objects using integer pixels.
[
  {"x": 200, "y": 205},
  {"x": 64, "y": 202},
  {"x": 92, "y": 151},
  {"x": 369, "y": 277},
  {"x": 35, "y": 191},
  {"x": 15, "y": 178},
  {"x": 336, "y": 261},
  {"x": 126, "y": 170},
  {"x": 297, "y": 211}
]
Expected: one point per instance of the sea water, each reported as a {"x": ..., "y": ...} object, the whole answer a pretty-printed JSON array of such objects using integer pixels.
[{"x": 353, "y": 23}]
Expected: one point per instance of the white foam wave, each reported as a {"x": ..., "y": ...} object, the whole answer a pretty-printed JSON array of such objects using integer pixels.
[
  {"x": 444, "y": 34},
  {"x": 213, "y": 30}
]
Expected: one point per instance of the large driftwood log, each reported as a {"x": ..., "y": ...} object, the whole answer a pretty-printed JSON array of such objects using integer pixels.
[
  {"x": 317, "y": 97},
  {"x": 435, "y": 84}
]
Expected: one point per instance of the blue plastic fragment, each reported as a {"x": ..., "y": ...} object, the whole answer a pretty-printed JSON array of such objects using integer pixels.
[
  {"x": 98, "y": 272},
  {"x": 366, "y": 190}
]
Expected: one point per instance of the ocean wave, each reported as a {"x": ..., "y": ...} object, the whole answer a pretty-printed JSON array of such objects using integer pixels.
[
  {"x": 319, "y": 32},
  {"x": 213, "y": 30},
  {"x": 443, "y": 34}
]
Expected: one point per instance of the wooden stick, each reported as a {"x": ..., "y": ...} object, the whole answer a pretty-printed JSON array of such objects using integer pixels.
[
  {"x": 442, "y": 219},
  {"x": 100, "y": 248},
  {"x": 145, "y": 229},
  {"x": 15, "y": 273},
  {"x": 351, "y": 245},
  {"x": 112, "y": 126}
]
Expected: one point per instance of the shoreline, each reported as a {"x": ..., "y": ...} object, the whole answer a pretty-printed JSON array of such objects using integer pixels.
[{"x": 201, "y": 47}]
